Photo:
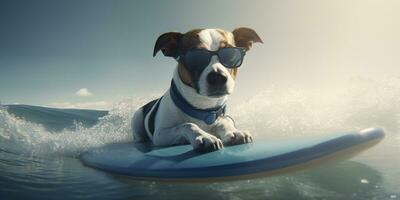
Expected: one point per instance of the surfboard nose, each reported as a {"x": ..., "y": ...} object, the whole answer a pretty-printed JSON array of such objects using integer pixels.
[{"x": 372, "y": 133}]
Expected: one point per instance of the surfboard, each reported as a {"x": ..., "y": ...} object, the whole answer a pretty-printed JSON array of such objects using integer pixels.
[{"x": 259, "y": 159}]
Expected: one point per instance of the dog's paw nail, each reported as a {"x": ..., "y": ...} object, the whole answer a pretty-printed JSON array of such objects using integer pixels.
[
  {"x": 220, "y": 145},
  {"x": 248, "y": 140}
]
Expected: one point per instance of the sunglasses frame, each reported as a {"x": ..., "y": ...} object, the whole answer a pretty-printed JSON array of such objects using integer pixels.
[{"x": 182, "y": 59}]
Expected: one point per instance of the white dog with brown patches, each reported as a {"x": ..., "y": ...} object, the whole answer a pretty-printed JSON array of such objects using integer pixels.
[{"x": 192, "y": 111}]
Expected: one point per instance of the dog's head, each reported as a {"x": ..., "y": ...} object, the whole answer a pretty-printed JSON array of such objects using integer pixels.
[{"x": 208, "y": 59}]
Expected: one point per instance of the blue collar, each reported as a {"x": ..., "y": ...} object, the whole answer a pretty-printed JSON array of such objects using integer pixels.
[{"x": 208, "y": 116}]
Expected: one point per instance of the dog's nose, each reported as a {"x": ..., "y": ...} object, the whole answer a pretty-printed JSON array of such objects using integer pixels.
[{"x": 216, "y": 78}]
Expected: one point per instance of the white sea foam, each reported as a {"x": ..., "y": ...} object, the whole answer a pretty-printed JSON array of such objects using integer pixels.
[
  {"x": 291, "y": 111},
  {"x": 19, "y": 135}
]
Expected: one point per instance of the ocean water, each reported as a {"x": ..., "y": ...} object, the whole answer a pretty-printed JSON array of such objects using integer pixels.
[{"x": 39, "y": 147}]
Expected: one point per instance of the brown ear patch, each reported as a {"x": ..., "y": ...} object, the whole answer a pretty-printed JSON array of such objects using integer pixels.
[
  {"x": 168, "y": 43},
  {"x": 245, "y": 37}
]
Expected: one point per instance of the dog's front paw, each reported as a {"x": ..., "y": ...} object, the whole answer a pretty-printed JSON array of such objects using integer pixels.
[
  {"x": 237, "y": 137},
  {"x": 207, "y": 143}
]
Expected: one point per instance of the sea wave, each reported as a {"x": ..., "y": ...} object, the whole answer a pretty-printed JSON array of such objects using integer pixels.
[{"x": 363, "y": 103}]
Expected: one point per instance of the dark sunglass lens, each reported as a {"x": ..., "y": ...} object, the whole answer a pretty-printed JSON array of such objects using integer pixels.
[
  {"x": 230, "y": 57},
  {"x": 197, "y": 59}
]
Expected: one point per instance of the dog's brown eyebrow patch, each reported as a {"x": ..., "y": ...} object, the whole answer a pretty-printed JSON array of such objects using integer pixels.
[
  {"x": 227, "y": 41},
  {"x": 223, "y": 44}
]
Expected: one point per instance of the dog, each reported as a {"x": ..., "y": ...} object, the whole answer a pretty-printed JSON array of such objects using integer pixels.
[{"x": 193, "y": 110}]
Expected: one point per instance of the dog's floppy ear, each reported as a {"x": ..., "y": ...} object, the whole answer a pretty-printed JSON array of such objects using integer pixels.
[
  {"x": 245, "y": 37},
  {"x": 168, "y": 43}
]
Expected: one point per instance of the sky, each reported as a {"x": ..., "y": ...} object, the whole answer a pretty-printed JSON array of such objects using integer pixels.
[{"x": 91, "y": 53}]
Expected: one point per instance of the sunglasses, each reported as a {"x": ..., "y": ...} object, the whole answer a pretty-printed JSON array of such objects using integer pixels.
[{"x": 198, "y": 59}]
